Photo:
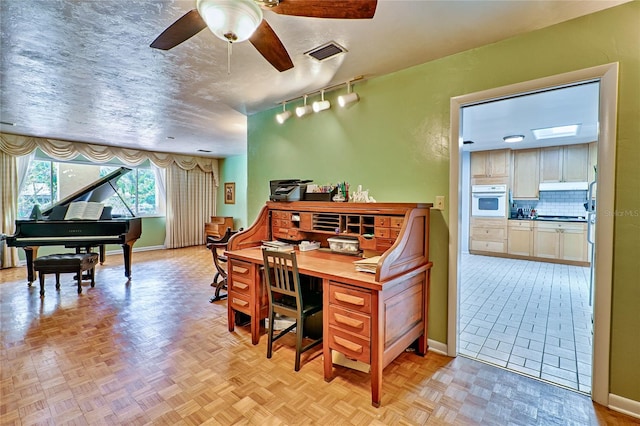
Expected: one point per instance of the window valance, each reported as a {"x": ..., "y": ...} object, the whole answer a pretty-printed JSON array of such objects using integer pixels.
[{"x": 19, "y": 145}]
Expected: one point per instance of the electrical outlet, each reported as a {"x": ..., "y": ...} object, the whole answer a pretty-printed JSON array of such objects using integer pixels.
[{"x": 439, "y": 202}]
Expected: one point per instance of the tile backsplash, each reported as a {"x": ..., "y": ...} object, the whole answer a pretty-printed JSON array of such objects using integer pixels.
[{"x": 556, "y": 203}]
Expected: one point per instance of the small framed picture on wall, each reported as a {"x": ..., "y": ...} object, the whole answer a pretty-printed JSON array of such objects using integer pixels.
[{"x": 229, "y": 193}]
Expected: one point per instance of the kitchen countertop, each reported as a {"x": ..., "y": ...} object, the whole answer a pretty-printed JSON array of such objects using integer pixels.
[{"x": 552, "y": 219}]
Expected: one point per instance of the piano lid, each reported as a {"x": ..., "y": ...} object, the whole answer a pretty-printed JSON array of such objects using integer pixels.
[{"x": 97, "y": 191}]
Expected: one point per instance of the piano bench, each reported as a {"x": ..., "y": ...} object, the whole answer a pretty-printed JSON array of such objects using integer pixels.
[{"x": 66, "y": 263}]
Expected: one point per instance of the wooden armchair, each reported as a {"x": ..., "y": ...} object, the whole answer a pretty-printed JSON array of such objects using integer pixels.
[{"x": 220, "y": 262}]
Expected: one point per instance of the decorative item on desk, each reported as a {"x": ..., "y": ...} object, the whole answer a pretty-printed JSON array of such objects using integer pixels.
[
  {"x": 343, "y": 192},
  {"x": 320, "y": 192},
  {"x": 361, "y": 196}
]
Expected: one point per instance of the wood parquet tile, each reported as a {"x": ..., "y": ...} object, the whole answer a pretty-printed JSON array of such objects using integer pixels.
[{"x": 154, "y": 351}]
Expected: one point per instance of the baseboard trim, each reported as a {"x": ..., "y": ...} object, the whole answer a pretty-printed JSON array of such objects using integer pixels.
[
  {"x": 437, "y": 347},
  {"x": 624, "y": 405},
  {"x": 137, "y": 249}
]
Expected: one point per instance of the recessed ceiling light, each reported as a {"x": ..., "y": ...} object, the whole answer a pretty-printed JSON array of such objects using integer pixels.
[
  {"x": 556, "y": 132},
  {"x": 513, "y": 138}
]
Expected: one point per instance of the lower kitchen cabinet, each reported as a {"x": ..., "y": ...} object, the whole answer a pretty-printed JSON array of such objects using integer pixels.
[
  {"x": 520, "y": 238},
  {"x": 488, "y": 235},
  {"x": 561, "y": 240}
]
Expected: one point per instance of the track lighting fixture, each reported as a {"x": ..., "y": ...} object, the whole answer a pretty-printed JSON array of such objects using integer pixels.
[
  {"x": 284, "y": 115},
  {"x": 304, "y": 109},
  {"x": 349, "y": 98},
  {"x": 321, "y": 105}
]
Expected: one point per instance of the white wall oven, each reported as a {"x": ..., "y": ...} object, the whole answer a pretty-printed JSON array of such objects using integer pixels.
[{"x": 489, "y": 200}]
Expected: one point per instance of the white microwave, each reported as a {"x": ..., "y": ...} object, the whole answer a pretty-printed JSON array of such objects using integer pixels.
[{"x": 489, "y": 200}]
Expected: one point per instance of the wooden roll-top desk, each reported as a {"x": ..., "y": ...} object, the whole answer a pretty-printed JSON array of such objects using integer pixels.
[{"x": 368, "y": 317}]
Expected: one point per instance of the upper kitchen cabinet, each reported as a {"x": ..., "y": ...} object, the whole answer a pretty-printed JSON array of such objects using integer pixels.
[
  {"x": 569, "y": 163},
  {"x": 490, "y": 166},
  {"x": 526, "y": 174}
]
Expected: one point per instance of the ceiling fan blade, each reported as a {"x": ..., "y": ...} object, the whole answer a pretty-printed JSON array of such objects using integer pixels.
[
  {"x": 351, "y": 9},
  {"x": 269, "y": 45},
  {"x": 190, "y": 24}
]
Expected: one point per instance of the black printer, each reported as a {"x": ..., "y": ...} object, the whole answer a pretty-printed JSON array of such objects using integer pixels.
[{"x": 288, "y": 189}]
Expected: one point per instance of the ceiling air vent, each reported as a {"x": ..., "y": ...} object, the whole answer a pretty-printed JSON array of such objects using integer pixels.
[{"x": 326, "y": 51}]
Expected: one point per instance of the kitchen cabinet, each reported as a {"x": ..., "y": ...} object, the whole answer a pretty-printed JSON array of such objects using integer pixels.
[
  {"x": 569, "y": 163},
  {"x": 490, "y": 164},
  {"x": 520, "y": 238},
  {"x": 526, "y": 174},
  {"x": 561, "y": 240},
  {"x": 488, "y": 235}
]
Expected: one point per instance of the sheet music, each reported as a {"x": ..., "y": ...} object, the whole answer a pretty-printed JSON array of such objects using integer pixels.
[{"x": 84, "y": 210}]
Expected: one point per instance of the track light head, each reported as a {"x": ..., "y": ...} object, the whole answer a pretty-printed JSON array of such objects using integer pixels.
[
  {"x": 321, "y": 105},
  {"x": 304, "y": 109},
  {"x": 349, "y": 98},
  {"x": 283, "y": 116}
]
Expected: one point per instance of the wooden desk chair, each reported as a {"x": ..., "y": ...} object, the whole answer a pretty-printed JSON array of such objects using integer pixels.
[
  {"x": 220, "y": 262},
  {"x": 286, "y": 297}
]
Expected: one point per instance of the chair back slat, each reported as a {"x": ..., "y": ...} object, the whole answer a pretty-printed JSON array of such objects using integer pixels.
[{"x": 281, "y": 273}]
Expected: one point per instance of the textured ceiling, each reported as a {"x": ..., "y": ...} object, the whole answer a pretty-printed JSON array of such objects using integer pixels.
[{"x": 82, "y": 70}]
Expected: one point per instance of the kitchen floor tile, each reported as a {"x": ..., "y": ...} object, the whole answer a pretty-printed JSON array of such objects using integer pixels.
[{"x": 531, "y": 317}]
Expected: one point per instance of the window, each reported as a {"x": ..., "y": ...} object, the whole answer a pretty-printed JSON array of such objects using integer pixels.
[{"x": 49, "y": 181}]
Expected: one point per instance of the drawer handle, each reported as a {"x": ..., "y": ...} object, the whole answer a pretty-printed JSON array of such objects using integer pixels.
[
  {"x": 353, "y": 347},
  {"x": 353, "y": 300},
  {"x": 342, "y": 319},
  {"x": 240, "y": 269},
  {"x": 241, "y": 286},
  {"x": 240, "y": 302}
]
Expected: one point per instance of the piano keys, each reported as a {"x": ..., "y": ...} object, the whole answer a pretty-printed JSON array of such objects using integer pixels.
[{"x": 49, "y": 230}]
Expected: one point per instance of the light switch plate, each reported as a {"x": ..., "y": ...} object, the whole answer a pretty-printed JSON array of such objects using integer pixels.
[{"x": 439, "y": 205}]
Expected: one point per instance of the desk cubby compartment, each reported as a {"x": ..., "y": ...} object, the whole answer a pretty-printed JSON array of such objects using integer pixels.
[{"x": 326, "y": 222}]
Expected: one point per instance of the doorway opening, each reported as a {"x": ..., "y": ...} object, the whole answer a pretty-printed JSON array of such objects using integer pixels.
[
  {"x": 606, "y": 75},
  {"x": 525, "y": 274}
]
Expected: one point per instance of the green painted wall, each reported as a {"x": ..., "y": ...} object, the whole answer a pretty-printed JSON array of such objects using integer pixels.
[
  {"x": 234, "y": 169},
  {"x": 395, "y": 142}
]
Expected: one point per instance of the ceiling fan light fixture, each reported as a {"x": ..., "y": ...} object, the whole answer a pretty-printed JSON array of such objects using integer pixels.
[{"x": 233, "y": 21}]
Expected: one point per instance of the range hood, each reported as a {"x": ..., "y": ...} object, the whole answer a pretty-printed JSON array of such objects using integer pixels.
[{"x": 564, "y": 186}]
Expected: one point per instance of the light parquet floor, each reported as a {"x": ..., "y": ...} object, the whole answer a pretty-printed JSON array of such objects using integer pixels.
[{"x": 153, "y": 350}]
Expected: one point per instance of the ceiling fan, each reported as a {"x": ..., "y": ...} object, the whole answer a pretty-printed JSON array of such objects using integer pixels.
[{"x": 235, "y": 21}]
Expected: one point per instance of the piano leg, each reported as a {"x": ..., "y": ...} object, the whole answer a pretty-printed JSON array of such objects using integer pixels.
[
  {"x": 102, "y": 253},
  {"x": 127, "y": 248},
  {"x": 30, "y": 253}
]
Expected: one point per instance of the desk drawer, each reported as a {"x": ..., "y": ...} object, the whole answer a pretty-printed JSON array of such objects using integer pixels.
[
  {"x": 347, "y": 320},
  {"x": 240, "y": 287},
  {"x": 351, "y": 346},
  {"x": 396, "y": 222},
  {"x": 383, "y": 221},
  {"x": 382, "y": 232},
  {"x": 350, "y": 298},
  {"x": 239, "y": 302},
  {"x": 383, "y": 244}
]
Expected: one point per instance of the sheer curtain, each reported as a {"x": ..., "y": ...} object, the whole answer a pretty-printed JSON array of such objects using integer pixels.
[
  {"x": 191, "y": 200},
  {"x": 194, "y": 179}
]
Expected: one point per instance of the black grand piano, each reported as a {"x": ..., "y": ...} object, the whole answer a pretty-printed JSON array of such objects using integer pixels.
[{"x": 48, "y": 227}]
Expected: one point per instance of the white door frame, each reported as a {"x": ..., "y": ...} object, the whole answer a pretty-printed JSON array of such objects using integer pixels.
[{"x": 608, "y": 76}]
